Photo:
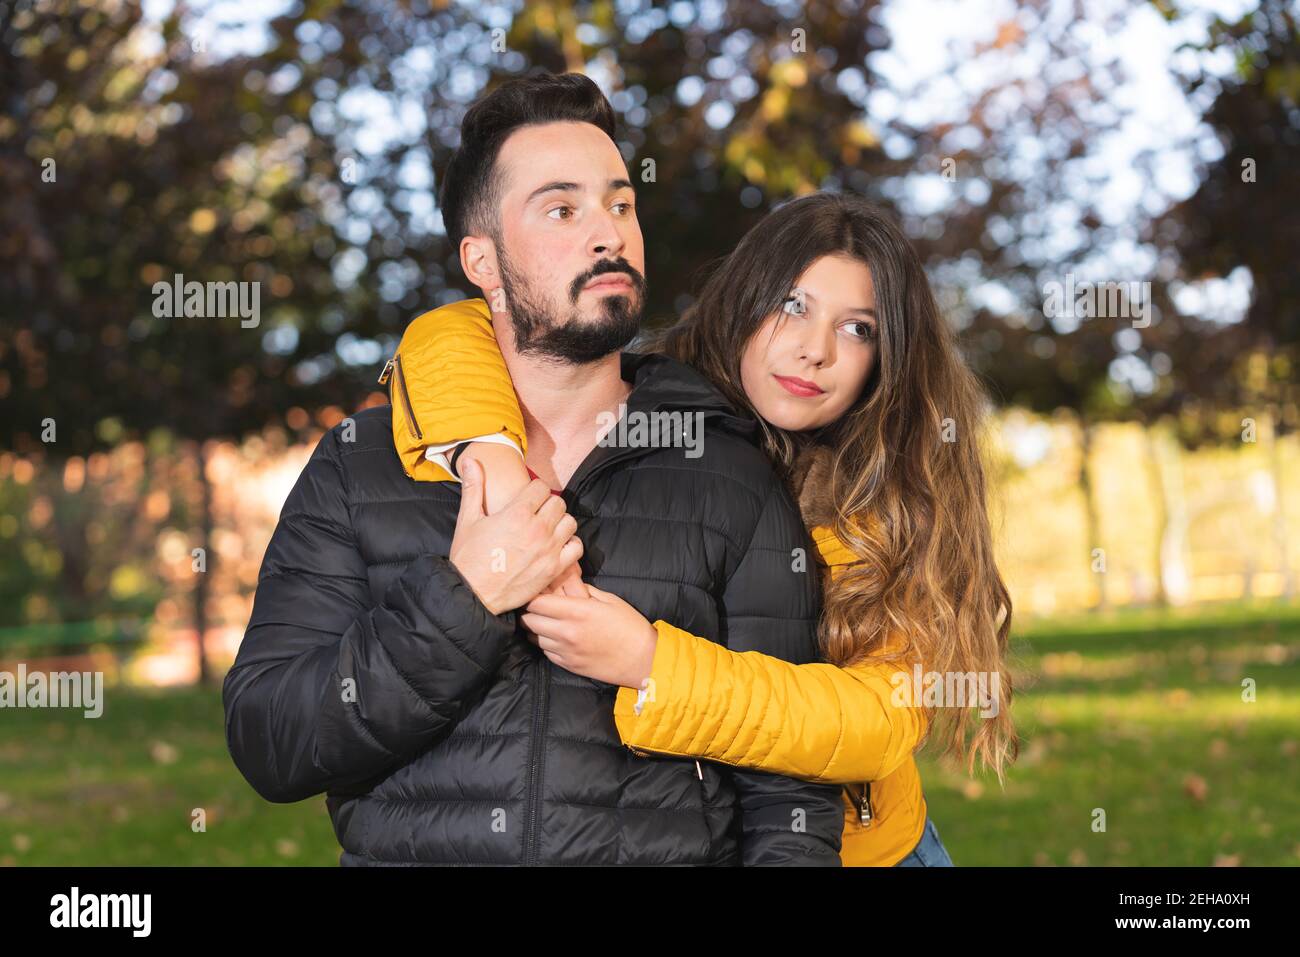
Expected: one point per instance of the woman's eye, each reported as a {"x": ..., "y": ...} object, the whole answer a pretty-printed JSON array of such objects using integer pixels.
[
  {"x": 794, "y": 306},
  {"x": 868, "y": 332},
  {"x": 560, "y": 209},
  {"x": 626, "y": 207}
]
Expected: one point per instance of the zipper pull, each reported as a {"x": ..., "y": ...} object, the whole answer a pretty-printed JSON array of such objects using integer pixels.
[
  {"x": 865, "y": 814},
  {"x": 699, "y": 770},
  {"x": 388, "y": 371}
]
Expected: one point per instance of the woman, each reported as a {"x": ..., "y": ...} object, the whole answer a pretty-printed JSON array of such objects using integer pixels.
[{"x": 822, "y": 325}]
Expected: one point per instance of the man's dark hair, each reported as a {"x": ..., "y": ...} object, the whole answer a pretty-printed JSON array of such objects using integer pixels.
[{"x": 471, "y": 188}]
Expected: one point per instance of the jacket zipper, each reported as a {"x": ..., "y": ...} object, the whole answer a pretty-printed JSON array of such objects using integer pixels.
[
  {"x": 862, "y": 802},
  {"x": 534, "y": 799},
  {"x": 699, "y": 772},
  {"x": 576, "y": 492},
  {"x": 618, "y": 456},
  {"x": 393, "y": 374}
]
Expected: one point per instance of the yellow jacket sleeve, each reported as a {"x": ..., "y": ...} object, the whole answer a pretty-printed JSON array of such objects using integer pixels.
[
  {"x": 448, "y": 382},
  {"x": 815, "y": 721}
]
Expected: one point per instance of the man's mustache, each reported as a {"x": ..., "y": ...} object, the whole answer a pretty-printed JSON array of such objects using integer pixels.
[{"x": 600, "y": 269}]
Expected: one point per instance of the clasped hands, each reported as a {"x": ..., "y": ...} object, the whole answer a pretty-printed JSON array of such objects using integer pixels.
[{"x": 525, "y": 555}]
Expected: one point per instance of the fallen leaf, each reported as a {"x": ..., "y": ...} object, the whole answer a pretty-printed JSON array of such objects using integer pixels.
[
  {"x": 163, "y": 753},
  {"x": 1195, "y": 787}
]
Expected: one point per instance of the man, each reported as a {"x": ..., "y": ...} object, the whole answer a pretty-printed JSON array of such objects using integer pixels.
[{"x": 382, "y": 664}]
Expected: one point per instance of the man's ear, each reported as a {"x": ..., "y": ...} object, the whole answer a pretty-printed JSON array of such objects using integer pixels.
[{"x": 478, "y": 258}]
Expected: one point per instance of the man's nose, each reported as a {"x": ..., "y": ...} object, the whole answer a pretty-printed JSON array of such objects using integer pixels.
[{"x": 606, "y": 240}]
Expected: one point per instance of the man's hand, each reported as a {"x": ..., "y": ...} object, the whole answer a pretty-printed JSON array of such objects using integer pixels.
[
  {"x": 510, "y": 557},
  {"x": 505, "y": 476}
]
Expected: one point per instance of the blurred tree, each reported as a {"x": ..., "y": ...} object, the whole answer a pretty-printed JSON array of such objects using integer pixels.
[
  {"x": 134, "y": 151},
  {"x": 1242, "y": 216},
  {"x": 724, "y": 109},
  {"x": 128, "y": 157},
  {"x": 1022, "y": 216},
  {"x": 1243, "y": 211},
  {"x": 1027, "y": 209}
]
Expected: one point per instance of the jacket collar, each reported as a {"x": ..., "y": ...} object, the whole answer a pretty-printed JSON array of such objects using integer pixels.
[
  {"x": 812, "y": 480},
  {"x": 662, "y": 384}
]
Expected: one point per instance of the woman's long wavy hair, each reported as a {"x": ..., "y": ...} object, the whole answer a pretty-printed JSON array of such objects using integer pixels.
[{"x": 907, "y": 478}]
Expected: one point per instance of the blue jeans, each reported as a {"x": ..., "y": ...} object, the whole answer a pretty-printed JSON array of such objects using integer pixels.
[{"x": 929, "y": 850}]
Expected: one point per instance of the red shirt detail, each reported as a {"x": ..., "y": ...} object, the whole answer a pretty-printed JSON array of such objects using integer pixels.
[{"x": 536, "y": 476}]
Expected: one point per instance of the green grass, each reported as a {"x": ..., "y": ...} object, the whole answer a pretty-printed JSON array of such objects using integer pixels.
[
  {"x": 1139, "y": 714},
  {"x": 122, "y": 789}
]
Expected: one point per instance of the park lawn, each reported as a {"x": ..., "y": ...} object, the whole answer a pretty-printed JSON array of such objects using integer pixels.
[
  {"x": 1140, "y": 715},
  {"x": 123, "y": 788}
]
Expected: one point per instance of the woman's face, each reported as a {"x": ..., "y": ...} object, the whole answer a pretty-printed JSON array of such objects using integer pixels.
[{"x": 811, "y": 359}]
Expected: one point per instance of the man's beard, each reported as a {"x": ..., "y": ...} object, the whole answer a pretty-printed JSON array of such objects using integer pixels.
[{"x": 571, "y": 339}]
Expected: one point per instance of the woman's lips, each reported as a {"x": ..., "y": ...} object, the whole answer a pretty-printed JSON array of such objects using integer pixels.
[{"x": 798, "y": 387}]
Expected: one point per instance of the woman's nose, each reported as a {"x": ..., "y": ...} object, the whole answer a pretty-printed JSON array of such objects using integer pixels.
[{"x": 818, "y": 345}]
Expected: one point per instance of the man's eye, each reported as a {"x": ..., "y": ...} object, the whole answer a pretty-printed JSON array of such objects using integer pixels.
[
  {"x": 794, "y": 306},
  {"x": 627, "y": 207},
  {"x": 560, "y": 209}
]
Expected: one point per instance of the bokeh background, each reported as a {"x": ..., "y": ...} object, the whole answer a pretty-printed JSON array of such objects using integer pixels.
[{"x": 1146, "y": 479}]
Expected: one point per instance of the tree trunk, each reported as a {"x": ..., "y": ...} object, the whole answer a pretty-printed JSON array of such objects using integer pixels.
[
  {"x": 1161, "y": 511},
  {"x": 70, "y": 517},
  {"x": 1175, "y": 580},
  {"x": 1091, "y": 518},
  {"x": 1279, "y": 506},
  {"x": 202, "y": 579}
]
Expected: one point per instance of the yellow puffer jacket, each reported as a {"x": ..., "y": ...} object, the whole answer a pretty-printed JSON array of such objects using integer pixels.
[
  {"x": 448, "y": 382},
  {"x": 818, "y": 722}
]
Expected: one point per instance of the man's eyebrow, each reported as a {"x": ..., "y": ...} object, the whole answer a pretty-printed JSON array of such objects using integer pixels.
[
  {"x": 553, "y": 187},
  {"x": 561, "y": 186},
  {"x": 867, "y": 309}
]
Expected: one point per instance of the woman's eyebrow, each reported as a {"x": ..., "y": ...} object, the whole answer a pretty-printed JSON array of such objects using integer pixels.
[{"x": 869, "y": 310}]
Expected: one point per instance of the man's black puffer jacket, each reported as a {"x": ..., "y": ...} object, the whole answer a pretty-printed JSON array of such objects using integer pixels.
[{"x": 371, "y": 671}]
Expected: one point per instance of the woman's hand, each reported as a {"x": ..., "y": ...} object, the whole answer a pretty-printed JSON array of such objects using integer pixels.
[
  {"x": 600, "y": 637},
  {"x": 569, "y": 582}
]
